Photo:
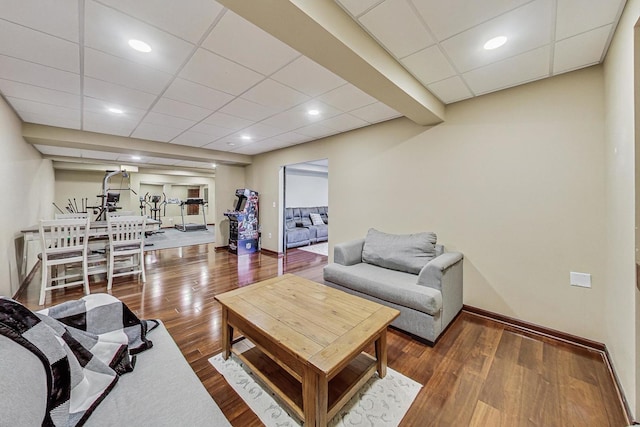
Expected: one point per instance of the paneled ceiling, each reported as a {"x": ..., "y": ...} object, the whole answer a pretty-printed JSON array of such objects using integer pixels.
[{"x": 216, "y": 81}]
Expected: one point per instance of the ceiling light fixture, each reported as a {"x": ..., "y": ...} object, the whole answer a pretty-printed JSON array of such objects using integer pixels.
[
  {"x": 115, "y": 110},
  {"x": 213, "y": 165},
  {"x": 135, "y": 157},
  {"x": 313, "y": 112},
  {"x": 231, "y": 144},
  {"x": 495, "y": 42},
  {"x": 139, "y": 45},
  {"x": 246, "y": 137}
]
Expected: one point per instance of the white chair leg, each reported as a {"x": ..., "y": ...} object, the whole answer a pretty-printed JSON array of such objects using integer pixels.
[
  {"x": 141, "y": 256},
  {"x": 43, "y": 286},
  {"x": 110, "y": 273},
  {"x": 85, "y": 275}
]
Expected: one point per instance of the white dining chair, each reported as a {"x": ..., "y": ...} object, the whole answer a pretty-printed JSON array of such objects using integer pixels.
[
  {"x": 76, "y": 215},
  {"x": 126, "y": 246},
  {"x": 64, "y": 254}
]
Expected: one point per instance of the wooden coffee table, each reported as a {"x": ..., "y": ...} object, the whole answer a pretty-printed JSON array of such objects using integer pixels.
[{"x": 313, "y": 337}]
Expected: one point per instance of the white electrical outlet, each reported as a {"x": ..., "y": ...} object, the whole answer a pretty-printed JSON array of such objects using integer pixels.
[
  {"x": 580, "y": 279},
  {"x": 269, "y": 235}
]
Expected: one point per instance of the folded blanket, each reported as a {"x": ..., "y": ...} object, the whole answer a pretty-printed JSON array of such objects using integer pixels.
[{"x": 84, "y": 345}]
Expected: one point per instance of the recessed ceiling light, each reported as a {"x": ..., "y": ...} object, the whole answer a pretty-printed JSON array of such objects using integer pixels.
[
  {"x": 246, "y": 137},
  {"x": 115, "y": 110},
  {"x": 139, "y": 45},
  {"x": 231, "y": 143},
  {"x": 213, "y": 165},
  {"x": 135, "y": 157},
  {"x": 495, "y": 42},
  {"x": 313, "y": 112}
]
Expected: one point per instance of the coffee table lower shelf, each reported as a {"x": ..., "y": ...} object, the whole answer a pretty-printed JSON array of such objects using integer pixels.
[{"x": 288, "y": 389}]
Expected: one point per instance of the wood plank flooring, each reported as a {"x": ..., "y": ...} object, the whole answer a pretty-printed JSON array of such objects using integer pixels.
[{"x": 480, "y": 373}]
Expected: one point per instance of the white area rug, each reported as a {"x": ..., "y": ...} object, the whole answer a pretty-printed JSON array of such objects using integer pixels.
[
  {"x": 318, "y": 248},
  {"x": 380, "y": 402}
]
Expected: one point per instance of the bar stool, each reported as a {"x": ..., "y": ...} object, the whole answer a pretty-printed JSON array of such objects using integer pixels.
[
  {"x": 126, "y": 241},
  {"x": 64, "y": 247}
]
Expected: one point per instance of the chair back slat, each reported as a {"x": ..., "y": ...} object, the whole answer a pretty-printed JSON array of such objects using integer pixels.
[
  {"x": 64, "y": 235},
  {"x": 126, "y": 230}
]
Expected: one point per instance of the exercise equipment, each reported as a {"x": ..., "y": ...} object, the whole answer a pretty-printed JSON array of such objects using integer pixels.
[
  {"x": 109, "y": 197},
  {"x": 155, "y": 204},
  {"x": 191, "y": 226},
  {"x": 244, "y": 235}
]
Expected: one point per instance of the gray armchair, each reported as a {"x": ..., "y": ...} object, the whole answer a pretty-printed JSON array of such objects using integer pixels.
[{"x": 428, "y": 292}]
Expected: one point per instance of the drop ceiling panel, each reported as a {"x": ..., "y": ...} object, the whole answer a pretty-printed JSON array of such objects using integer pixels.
[
  {"x": 44, "y": 109},
  {"x": 41, "y": 48},
  {"x": 292, "y": 138},
  {"x": 259, "y": 131},
  {"x": 212, "y": 131},
  {"x": 55, "y": 17},
  {"x": 154, "y": 118},
  {"x": 181, "y": 109},
  {"x": 109, "y": 31},
  {"x": 188, "y": 19},
  {"x": 347, "y": 98},
  {"x": 219, "y": 73},
  {"x": 357, "y": 7},
  {"x": 315, "y": 130},
  {"x": 527, "y": 28},
  {"x": 510, "y": 72},
  {"x": 396, "y": 25},
  {"x": 63, "y": 122},
  {"x": 108, "y": 68},
  {"x": 429, "y": 65},
  {"x": 273, "y": 94},
  {"x": 308, "y": 77},
  {"x": 118, "y": 95},
  {"x": 50, "y": 150},
  {"x": 102, "y": 155},
  {"x": 448, "y": 18},
  {"x": 227, "y": 121},
  {"x": 192, "y": 139},
  {"x": 344, "y": 122},
  {"x": 39, "y": 94},
  {"x": 156, "y": 132},
  {"x": 592, "y": 14},
  {"x": 38, "y": 75},
  {"x": 240, "y": 41},
  {"x": 248, "y": 110},
  {"x": 107, "y": 123},
  {"x": 450, "y": 90},
  {"x": 579, "y": 50},
  {"x": 290, "y": 120},
  {"x": 375, "y": 112},
  {"x": 197, "y": 94},
  {"x": 101, "y": 106}
]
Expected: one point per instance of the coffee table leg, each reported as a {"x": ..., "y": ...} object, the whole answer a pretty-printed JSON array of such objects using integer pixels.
[
  {"x": 381, "y": 353},
  {"x": 314, "y": 399},
  {"x": 227, "y": 334}
]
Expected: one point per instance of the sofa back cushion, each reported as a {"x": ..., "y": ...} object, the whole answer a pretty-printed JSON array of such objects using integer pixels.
[{"x": 402, "y": 252}]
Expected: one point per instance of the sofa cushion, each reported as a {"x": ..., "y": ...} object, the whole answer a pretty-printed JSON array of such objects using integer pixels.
[
  {"x": 388, "y": 285},
  {"x": 316, "y": 219},
  {"x": 298, "y": 234},
  {"x": 402, "y": 252},
  {"x": 306, "y": 218}
]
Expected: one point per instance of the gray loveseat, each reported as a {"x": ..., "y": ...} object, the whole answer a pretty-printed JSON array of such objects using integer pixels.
[
  {"x": 300, "y": 230},
  {"x": 162, "y": 390},
  {"x": 410, "y": 273}
]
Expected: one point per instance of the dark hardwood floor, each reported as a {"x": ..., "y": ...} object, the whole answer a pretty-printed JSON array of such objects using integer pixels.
[{"x": 480, "y": 373}]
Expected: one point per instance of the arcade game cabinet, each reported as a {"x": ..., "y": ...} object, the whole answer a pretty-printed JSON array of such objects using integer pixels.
[{"x": 243, "y": 223}]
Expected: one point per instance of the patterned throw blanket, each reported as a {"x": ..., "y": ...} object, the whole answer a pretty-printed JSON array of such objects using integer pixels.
[{"x": 84, "y": 346}]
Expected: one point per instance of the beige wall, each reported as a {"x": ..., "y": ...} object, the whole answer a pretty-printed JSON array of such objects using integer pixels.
[
  {"x": 622, "y": 300},
  {"x": 514, "y": 180},
  {"x": 26, "y": 196}
]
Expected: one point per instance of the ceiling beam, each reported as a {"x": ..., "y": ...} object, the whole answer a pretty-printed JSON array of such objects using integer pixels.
[
  {"x": 83, "y": 140},
  {"x": 325, "y": 33}
]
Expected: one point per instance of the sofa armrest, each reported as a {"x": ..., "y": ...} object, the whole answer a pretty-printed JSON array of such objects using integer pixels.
[
  {"x": 348, "y": 253},
  {"x": 445, "y": 274},
  {"x": 431, "y": 274}
]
